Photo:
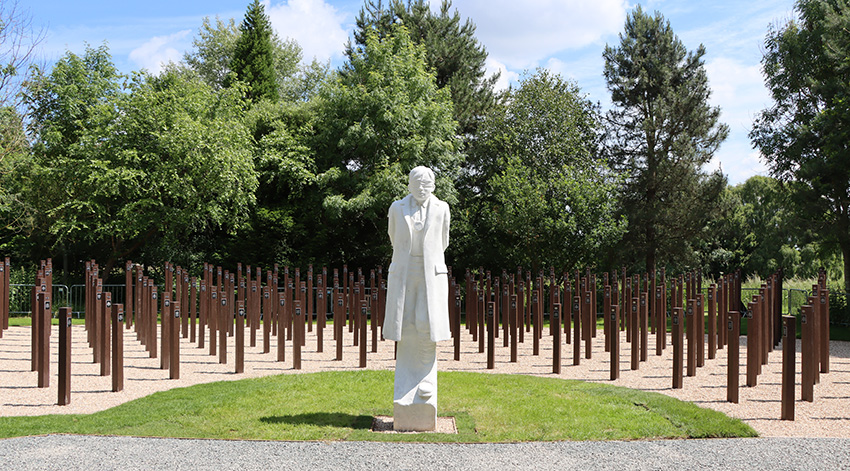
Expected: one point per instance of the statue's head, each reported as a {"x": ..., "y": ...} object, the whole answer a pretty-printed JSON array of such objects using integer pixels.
[{"x": 421, "y": 183}]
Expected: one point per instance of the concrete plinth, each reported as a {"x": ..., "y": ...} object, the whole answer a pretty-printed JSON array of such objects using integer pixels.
[{"x": 420, "y": 417}]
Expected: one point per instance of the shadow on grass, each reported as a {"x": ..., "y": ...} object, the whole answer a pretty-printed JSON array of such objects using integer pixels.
[{"x": 322, "y": 419}]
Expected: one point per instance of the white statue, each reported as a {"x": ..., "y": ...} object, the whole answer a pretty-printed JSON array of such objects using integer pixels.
[{"x": 417, "y": 310}]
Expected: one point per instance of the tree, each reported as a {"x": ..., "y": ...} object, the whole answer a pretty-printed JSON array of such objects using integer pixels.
[
  {"x": 542, "y": 193},
  {"x": 253, "y": 56},
  {"x": 661, "y": 132},
  {"x": 215, "y": 49},
  {"x": 804, "y": 136},
  {"x": 451, "y": 49},
  {"x": 383, "y": 116},
  {"x": 119, "y": 173}
]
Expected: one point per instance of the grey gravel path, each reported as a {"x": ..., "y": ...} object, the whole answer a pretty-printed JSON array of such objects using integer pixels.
[{"x": 96, "y": 453}]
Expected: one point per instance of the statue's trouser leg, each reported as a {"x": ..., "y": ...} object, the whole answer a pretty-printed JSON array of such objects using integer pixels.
[{"x": 415, "y": 391}]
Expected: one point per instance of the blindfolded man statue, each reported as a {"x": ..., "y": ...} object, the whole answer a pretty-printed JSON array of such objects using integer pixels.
[{"x": 417, "y": 309}]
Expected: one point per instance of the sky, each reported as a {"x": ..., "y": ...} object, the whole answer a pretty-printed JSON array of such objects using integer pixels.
[{"x": 564, "y": 36}]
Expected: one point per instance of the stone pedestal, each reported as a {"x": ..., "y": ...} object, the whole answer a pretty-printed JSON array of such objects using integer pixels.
[{"x": 415, "y": 417}]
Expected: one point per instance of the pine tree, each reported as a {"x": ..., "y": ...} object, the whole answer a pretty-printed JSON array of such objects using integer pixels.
[
  {"x": 253, "y": 61},
  {"x": 661, "y": 132},
  {"x": 451, "y": 50}
]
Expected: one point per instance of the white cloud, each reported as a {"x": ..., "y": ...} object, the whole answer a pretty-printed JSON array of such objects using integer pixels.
[
  {"x": 317, "y": 27},
  {"x": 739, "y": 91},
  {"x": 159, "y": 51},
  {"x": 520, "y": 34},
  {"x": 506, "y": 77}
]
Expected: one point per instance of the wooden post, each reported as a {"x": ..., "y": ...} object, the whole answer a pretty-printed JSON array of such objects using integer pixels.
[
  {"x": 152, "y": 318},
  {"x": 480, "y": 322},
  {"x": 339, "y": 320},
  {"x": 606, "y": 310},
  {"x": 240, "y": 336},
  {"x": 789, "y": 353},
  {"x": 678, "y": 347},
  {"x": 364, "y": 314},
  {"x": 576, "y": 314},
  {"x": 660, "y": 317},
  {"x": 807, "y": 365},
  {"x": 298, "y": 327},
  {"x": 644, "y": 326},
  {"x": 174, "y": 340},
  {"x": 457, "y": 327},
  {"x": 614, "y": 310},
  {"x": 514, "y": 319},
  {"x": 282, "y": 328},
  {"x": 166, "y": 326},
  {"x": 556, "y": 338},
  {"x": 128, "y": 292},
  {"x": 491, "y": 336},
  {"x": 634, "y": 333},
  {"x": 823, "y": 322},
  {"x": 712, "y": 322},
  {"x": 103, "y": 325},
  {"x": 223, "y": 326},
  {"x": 734, "y": 360},
  {"x": 118, "y": 319},
  {"x": 64, "y": 356},
  {"x": 700, "y": 329},
  {"x": 266, "y": 315},
  {"x": 753, "y": 346},
  {"x": 590, "y": 320},
  {"x": 691, "y": 334}
]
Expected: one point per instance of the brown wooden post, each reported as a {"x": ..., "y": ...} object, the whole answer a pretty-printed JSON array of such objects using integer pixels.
[
  {"x": 354, "y": 309},
  {"x": 789, "y": 353},
  {"x": 128, "y": 292},
  {"x": 712, "y": 322},
  {"x": 251, "y": 314},
  {"x": 174, "y": 341},
  {"x": 556, "y": 338},
  {"x": 480, "y": 321},
  {"x": 491, "y": 335},
  {"x": 166, "y": 326},
  {"x": 576, "y": 314},
  {"x": 591, "y": 326},
  {"x": 224, "y": 321},
  {"x": 691, "y": 327},
  {"x": 44, "y": 339},
  {"x": 700, "y": 327},
  {"x": 94, "y": 329},
  {"x": 64, "y": 356},
  {"x": 807, "y": 365},
  {"x": 823, "y": 322},
  {"x": 282, "y": 328},
  {"x": 514, "y": 321},
  {"x": 590, "y": 321},
  {"x": 152, "y": 318},
  {"x": 734, "y": 360},
  {"x": 339, "y": 319},
  {"x": 364, "y": 314},
  {"x": 614, "y": 312},
  {"x": 266, "y": 315},
  {"x": 103, "y": 325},
  {"x": 634, "y": 333},
  {"x": 118, "y": 319},
  {"x": 240, "y": 336},
  {"x": 458, "y": 333},
  {"x": 193, "y": 309},
  {"x": 644, "y": 326},
  {"x": 213, "y": 319},
  {"x": 184, "y": 301},
  {"x": 678, "y": 347},
  {"x": 298, "y": 328}
]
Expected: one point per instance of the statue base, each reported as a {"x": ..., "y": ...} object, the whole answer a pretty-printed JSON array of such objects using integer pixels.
[{"x": 420, "y": 417}]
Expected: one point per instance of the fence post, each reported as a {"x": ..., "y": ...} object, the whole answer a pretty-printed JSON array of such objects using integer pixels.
[
  {"x": 491, "y": 336},
  {"x": 734, "y": 368},
  {"x": 614, "y": 332}
]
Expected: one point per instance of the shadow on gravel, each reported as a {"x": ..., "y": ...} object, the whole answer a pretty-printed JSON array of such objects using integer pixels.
[{"x": 322, "y": 419}]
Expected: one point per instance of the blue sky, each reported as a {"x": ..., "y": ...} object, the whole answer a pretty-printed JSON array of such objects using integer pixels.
[{"x": 565, "y": 36}]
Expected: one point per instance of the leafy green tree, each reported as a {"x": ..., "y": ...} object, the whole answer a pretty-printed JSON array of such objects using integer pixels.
[
  {"x": 215, "y": 48},
  {"x": 451, "y": 49},
  {"x": 804, "y": 135},
  {"x": 542, "y": 195},
  {"x": 383, "y": 116},
  {"x": 136, "y": 173},
  {"x": 253, "y": 56},
  {"x": 661, "y": 132}
]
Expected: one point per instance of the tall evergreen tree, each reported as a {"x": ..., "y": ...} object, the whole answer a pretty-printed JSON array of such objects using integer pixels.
[
  {"x": 661, "y": 132},
  {"x": 253, "y": 59},
  {"x": 451, "y": 49},
  {"x": 804, "y": 135}
]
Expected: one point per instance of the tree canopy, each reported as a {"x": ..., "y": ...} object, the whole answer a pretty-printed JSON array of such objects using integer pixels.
[
  {"x": 662, "y": 131},
  {"x": 804, "y": 135}
]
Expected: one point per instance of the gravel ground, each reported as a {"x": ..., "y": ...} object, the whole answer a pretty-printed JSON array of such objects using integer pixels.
[
  {"x": 62, "y": 452},
  {"x": 827, "y": 416}
]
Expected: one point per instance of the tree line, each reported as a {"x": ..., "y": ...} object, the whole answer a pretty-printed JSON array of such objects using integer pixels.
[{"x": 244, "y": 152}]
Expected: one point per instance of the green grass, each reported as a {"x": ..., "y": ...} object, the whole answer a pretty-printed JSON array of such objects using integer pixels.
[{"x": 340, "y": 406}]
